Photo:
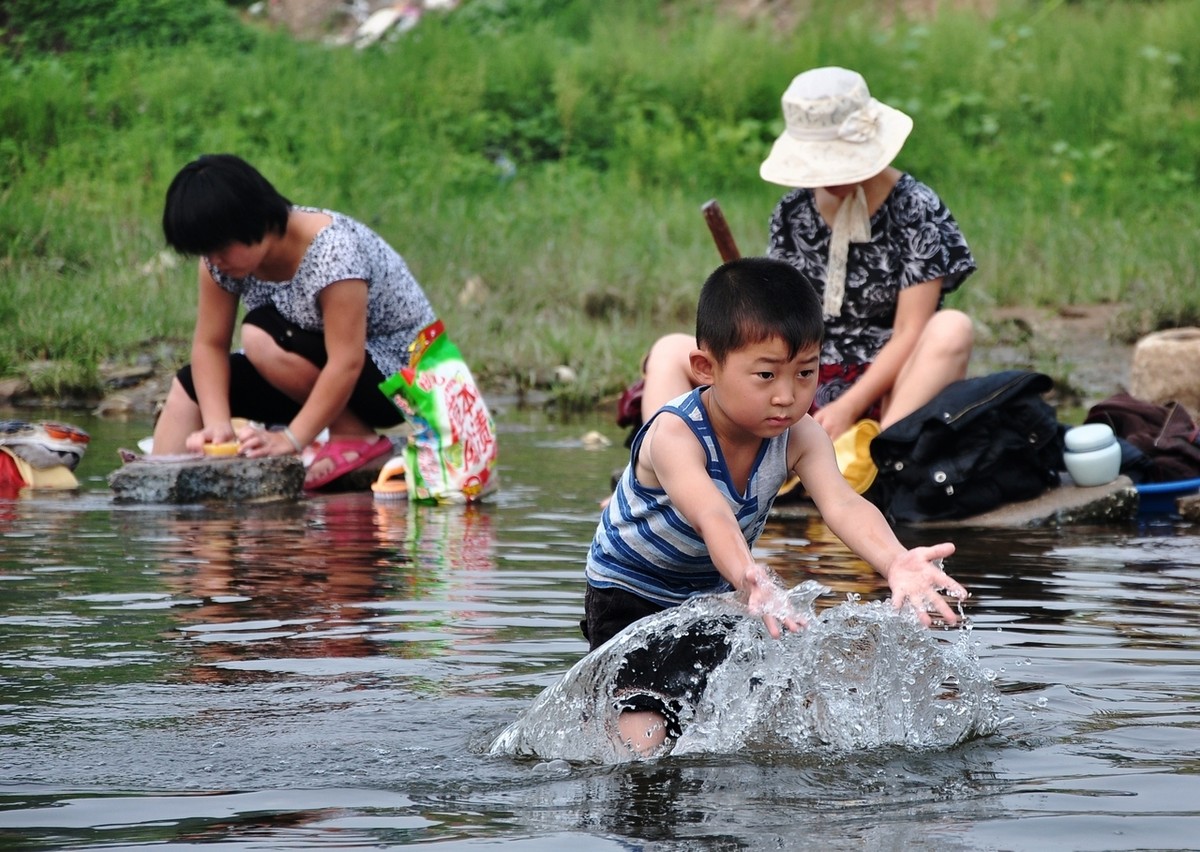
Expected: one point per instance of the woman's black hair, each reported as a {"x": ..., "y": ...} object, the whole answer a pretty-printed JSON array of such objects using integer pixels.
[
  {"x": 218, "y": 199},
  {"x": 753, "y": 298}
]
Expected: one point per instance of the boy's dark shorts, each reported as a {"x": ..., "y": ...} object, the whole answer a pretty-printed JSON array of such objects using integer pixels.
[
  {"x": 253, "y": 397},
  {"x": 671, "y": 671}
]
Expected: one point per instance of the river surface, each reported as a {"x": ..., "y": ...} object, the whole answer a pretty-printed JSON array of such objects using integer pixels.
[{"x": 330, "y": 673}]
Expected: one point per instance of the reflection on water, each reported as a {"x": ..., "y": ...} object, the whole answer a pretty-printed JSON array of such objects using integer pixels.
[
  {"x": 344, "y": 577},
  {"x": 331, "y": 672}
]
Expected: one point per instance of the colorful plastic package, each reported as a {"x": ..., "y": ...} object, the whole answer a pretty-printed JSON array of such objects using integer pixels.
[{"x": 451, "y": 455}]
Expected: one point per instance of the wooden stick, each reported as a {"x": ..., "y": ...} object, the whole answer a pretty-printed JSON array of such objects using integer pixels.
[{"x": 720, "y": 230}]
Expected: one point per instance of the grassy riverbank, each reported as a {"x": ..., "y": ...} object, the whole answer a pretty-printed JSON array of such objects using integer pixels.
[{"x": 541, "y": 164}]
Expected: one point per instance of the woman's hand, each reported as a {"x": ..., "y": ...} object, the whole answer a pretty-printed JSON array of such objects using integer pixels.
[
  {"x": 917, "y": 580},
  {"x": 257, "y": 442},
  {"x": 835, "y": 419},
  {"x": 222, "y": 434}
]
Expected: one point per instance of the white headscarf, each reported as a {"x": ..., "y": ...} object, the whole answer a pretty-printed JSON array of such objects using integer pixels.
[{"x": 851, "y": 224}]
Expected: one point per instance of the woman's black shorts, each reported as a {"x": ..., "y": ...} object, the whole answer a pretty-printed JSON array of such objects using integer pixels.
[{"x": 253, "y": 397}]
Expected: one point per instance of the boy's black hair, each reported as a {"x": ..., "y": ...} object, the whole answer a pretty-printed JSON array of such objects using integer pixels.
[
  {"x": 218, "y": 199},
  {"x": 753, "y": 298}
]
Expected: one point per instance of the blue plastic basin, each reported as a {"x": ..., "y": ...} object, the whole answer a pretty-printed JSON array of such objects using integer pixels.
[{"x": 1158, "y": 498}]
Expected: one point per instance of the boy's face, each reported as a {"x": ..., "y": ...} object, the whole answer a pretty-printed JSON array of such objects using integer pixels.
[{"x": 761, "y": 390}]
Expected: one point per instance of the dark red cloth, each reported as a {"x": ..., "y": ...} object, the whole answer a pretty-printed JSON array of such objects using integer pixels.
[
  {"x": 833, "y": 380},
  {"x": 629, "y": 406},
  {"x": 11, "y": 481},
  {"x": 1166, "y": 434}
]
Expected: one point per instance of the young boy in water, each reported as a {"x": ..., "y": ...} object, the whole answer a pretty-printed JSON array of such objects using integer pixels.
[{"x": 704, "y": 472}]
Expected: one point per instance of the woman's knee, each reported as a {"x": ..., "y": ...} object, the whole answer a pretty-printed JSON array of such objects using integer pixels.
[
  {"x": 667, "y": 371},
  {"x": 258, "y": 344},
  {"x": 670, "y": 350},
  {"x": 951, "y": 332},
  {"x": 269, "y": 358}
]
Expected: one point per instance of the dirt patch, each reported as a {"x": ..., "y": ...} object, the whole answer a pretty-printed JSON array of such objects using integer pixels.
[{"x": 1076, "y": 345}]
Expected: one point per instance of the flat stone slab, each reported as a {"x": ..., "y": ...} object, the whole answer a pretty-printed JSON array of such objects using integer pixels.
[
  {"x": 204, "y": 480},
  {"x": 1067, "y": 505}
]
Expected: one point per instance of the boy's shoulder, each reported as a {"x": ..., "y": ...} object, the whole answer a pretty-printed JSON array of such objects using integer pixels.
[
  {"x": 805, "y": 435},
  {"x": 672, "y": 427},
  {"x": 670, "y": 436}
]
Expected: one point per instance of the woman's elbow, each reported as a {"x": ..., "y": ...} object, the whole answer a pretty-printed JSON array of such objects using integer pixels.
[{"x": 348, "y": 363}]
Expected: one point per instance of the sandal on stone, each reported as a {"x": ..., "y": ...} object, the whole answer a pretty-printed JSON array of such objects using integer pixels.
[{"x": 347, "y": 454}]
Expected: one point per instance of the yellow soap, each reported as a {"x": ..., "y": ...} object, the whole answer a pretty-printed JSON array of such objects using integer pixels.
[{"x": 230, "y": 448}]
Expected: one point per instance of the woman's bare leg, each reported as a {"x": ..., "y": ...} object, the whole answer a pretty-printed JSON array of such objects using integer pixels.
[
  {"x": 180, "y": 417},
  {"x": 294, "y": 376},
  {"x": 941, "y": 357},
  {"x": 668, "y": 371}
]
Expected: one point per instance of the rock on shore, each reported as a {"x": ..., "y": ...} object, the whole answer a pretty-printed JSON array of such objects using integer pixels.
[{"x": 203, "y": 480}]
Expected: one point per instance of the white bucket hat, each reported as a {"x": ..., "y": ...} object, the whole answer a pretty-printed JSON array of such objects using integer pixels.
[{"x": 837, "y": 134}]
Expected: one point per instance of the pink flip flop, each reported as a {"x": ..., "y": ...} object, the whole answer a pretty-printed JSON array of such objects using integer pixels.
[{"x": 364, "y": 451}]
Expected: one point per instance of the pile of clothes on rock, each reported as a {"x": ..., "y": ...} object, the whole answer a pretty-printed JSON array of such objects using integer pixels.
[{"x": 39, "y": 455}]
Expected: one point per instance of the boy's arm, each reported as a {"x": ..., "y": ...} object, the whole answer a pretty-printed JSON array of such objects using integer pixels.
[
  {"x": 673, "y": 459},
  {"x": 914, "y": 576}
]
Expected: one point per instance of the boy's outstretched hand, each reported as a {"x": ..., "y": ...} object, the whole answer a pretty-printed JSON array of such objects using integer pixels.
[
  {"x": 916, "y": 579},
  {"x": 766, "y": 597}
]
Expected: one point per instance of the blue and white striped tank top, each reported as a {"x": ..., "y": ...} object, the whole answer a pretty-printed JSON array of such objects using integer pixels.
[{"x": 643, "y": 545}]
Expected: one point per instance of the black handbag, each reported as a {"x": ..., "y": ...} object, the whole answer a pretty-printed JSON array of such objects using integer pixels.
[{"x": 979, "y": 444}]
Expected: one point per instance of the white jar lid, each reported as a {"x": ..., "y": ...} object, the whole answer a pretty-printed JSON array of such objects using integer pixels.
[{"x": 1090, "y": 436}]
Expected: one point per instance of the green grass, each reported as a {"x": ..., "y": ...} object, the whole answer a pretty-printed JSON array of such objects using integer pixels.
[{"x": 1064, "y": 136}]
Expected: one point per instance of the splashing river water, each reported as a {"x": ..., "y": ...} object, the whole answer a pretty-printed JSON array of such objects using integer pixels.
[{"x": 859, "y": 676}]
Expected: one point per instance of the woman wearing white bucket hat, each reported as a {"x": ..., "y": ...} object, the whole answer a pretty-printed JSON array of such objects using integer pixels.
[{"x": 880, "y": 247}]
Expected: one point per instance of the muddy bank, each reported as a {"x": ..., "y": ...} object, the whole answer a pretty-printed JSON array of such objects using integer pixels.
[{"x": 1077, "y": 346}]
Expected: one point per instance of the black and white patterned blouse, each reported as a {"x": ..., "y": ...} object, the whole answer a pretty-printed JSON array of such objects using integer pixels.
[
  {"x": 914, "y": 239},
  {"x": 397, "y": 308}
]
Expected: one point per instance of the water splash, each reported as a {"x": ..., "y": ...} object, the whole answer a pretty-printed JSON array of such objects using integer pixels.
[{"x": 860, "y": 676}]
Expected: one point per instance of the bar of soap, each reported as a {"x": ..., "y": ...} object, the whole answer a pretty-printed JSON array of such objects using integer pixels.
[{"x": 229, "y": 448}]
